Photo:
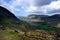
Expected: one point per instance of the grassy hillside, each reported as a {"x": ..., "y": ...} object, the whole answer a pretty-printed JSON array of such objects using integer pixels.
[
  {"x": 9, "y": 20},
  {"x": 8, "y": 34},
  {"x": 11, "y": 28}
]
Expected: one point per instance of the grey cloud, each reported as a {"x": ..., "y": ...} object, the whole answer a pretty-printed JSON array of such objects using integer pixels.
[
  {"x": 42, "y": 2},
  {"x": 35, "y": 12},
  {"x": 54, "y": 11}
]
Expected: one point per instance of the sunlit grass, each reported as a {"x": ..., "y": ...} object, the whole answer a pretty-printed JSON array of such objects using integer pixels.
[
  {"x": 8, "y": 35},
  {"x": 45, "y": 27}
]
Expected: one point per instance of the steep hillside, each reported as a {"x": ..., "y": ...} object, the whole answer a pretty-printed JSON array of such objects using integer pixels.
[
  {"x": 11, "y": 27},
  {"x": 9, "y": 20}
]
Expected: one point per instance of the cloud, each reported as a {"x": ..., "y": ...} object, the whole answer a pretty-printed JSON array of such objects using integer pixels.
[
  {"x": 52, "y": 8},
  {"x": 54, "y": 11},
  {"x": 42, "y": 2},
  {"x": 26, "y": 7},
  {"x": 15, "y": 6}
]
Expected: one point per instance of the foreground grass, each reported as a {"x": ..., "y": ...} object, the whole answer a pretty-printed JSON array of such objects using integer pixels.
[{"x": 8, "y": 34}]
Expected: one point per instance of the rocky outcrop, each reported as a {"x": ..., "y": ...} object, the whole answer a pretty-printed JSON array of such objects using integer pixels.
[{"x": 40, "y": 35}]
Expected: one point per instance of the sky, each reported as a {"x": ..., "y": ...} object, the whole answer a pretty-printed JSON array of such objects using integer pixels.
[{"x": 27, "y": 7}]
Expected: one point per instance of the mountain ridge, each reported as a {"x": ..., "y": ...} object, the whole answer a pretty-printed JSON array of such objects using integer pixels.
[
  {"x": 7, "y": 19},
  {"x": 53, "y": 20}
]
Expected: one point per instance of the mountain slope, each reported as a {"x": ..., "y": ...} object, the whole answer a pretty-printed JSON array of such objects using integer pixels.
[
  {"x": 53, "y": 20},
  {"x": 6, "y": 16},
  {"x": 9, "y": 20}
]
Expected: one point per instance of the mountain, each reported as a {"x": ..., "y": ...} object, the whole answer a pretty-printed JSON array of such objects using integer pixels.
[
  {"x": 33, "y": 16},
  {"x": 6, "y": 16},
  {"x": 53, "y": 20},
  {"x": 12, "y": 28},
  {"x": 9, "y": 20}
]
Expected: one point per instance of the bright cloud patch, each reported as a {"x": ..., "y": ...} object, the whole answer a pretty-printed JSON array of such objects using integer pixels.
[
  {"x": 15, "y": 6},
  {"x": 52, "y": 8}
]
